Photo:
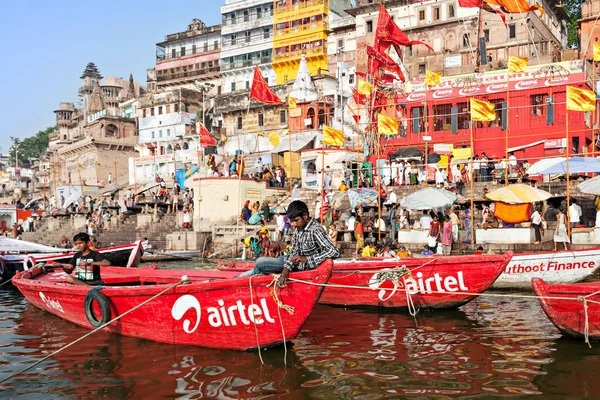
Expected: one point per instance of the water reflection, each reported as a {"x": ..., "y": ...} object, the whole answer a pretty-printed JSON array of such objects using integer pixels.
[{"x": 490, "y": 348}]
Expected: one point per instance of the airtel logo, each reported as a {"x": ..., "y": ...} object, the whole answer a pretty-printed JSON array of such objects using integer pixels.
[
  {"x": 438, "y": 94},
  {"x": 526, "y": 84},
  {"x": 498, "y": 87}
]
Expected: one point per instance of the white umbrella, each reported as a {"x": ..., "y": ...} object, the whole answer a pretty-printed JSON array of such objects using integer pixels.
[
  {"x": 21, "y": 246},
  {"x": 428, "y": 198},
  {"x": 591, "y": 186},
  {"x": 558, "y": 165},
  {"x": 108, "y": 189},
  {"x": 31, "y": 203},
  {"x": 148, "y": 186},
  {"x": 73, "y": 197}
]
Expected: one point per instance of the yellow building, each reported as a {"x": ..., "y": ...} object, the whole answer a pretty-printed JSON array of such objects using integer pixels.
[{"x": 300, "y": 27}]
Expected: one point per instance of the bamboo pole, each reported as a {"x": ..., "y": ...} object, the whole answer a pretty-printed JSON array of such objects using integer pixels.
[
  {"x": 290, "y": 177},
  {"x": 472, "y": 186},
  {"x": 239, "y": 171},
  {"x": 506, "y": 130},
  {"x": 428, "y": 133},
  {"x": 568, "y": 148}
]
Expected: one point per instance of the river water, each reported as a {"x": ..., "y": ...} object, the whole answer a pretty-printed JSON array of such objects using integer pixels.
[{"x": 489, "y": 348}]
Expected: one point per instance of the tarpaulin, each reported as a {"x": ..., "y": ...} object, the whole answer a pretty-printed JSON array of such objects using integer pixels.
[{"x": 512, "y": 213}]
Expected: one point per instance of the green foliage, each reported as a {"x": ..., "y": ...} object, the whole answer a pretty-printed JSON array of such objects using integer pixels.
[
  {"x": 573, "y": 10},
  {"x": 31, "y": 147}
]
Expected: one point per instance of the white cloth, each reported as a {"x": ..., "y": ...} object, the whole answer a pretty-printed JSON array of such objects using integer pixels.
[
  {"x": 560, "y": 234},
  {"x": 280, "y": 222},
  {"x": 574, "y": 213},
  {"x": 379, "y": 223},
  {"x": 392, "y": 198},
  {"x": 425, "y": 222},
  {"x": 350, "y": 224}
]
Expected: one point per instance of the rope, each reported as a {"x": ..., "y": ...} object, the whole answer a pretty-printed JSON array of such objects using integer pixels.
[
  {"x": 254, "y": 322},
  {"x": 184, "y": 280},
  {"x": 279, "y": 303},
  {"x": 586, "y": 327}
]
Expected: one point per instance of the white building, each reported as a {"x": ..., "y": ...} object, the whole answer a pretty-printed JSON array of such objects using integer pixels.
[{"x": 247, "y": 40}]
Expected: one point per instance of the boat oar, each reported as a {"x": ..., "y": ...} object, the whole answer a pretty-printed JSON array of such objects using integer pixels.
[{"x": 184, "y": 280}]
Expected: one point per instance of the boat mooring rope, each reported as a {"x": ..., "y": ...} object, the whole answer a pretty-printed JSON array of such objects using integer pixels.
[
  {"x": 253, "y": 321},
  {"x": 184, "y": 280}
]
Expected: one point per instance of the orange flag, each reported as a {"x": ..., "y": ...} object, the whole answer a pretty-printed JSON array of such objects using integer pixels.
[
  {"x": 332, "y": 137},
  {"x": 387, "y": 125},
  {"x": 482, "y": 110},
  {"x": 516, "y": 6},
  {"x": 580, "y": 99},
  {"x": 517, "y": 64},
  {"x": 261, "y": 91}
]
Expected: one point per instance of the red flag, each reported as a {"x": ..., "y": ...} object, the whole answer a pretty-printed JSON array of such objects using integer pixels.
[
  {"x": 205, "y": 138},
  {"x": 261, "y": 91},
  {"x": 358, "y": 98},
  {"x": 388, "y": 33},
  {"x": 384, "y": 61},
  {"x": 486, "y": 7}
]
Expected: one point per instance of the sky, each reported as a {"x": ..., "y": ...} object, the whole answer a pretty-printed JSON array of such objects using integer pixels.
[{"x": 48, "y": 43}]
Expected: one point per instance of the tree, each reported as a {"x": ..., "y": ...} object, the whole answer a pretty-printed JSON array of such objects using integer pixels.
[
  {"x": 573, "y": 10},
  {"x": 31, "y": 147}
]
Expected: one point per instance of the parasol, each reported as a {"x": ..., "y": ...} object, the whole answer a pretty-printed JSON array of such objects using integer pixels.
[
  {"x": 73, "y": 197},
  {"x": 558, "y": 165},
  {"x": 428, "y": 198},
  {"x": 111, "y": 188},
  {"x": 591, "y": 186},
  {"x": 518, "y": 194},
  {"x": 354, "y": 197},
  {"x": 148, "y": 186}
]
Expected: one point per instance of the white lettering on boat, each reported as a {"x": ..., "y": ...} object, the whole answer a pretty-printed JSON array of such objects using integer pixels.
[
  {"x": 433, "y": 284},
  {"x": 52, "y": 304},
  {"x": 181, "y": 306},
  {"x": 222, "y": 315}
]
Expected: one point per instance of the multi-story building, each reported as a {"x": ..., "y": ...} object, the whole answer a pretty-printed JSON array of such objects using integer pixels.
[
  {"x": 168, "y": 134},
  {"x": 589, "y": 30},
  {"x": 452, "y": 31},
  {"x": 187, "y": 57},
  {"x": 94, "y": 141},
  {"x": 302, "y": 28},
  {"x": 247, "y": 40}
]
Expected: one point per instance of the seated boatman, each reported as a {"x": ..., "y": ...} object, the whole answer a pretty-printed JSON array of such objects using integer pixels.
[
  {"x": 86, "y": 263},
  {"x": 310, "y": 247}
]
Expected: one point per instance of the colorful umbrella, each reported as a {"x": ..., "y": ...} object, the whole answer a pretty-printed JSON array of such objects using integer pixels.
[{"x": 518, "y": 194}]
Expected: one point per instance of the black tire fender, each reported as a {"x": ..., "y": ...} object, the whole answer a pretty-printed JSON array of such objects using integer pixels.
[{"x": 103, "y": 303}]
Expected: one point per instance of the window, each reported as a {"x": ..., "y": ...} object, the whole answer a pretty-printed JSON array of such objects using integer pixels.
[
  {"x": 193, "y": 49},
  {"x": 258, "y": 13},
  {"x": 144, "y": 113},
  {"x": 239, "y": 122},
  {"x": 421, "y": 69},
  {"x": 369, "y": 26},
  {"x": 173, "y": 53},
  {"x": 246, "y": 16},
  {"x": 340, "y": 44},
  {"x": 247, "y": 36},
  {"x": 261, "y": 119},
  {"x": 310, "y": 116},
  {"x": 466, "y": 41},
  {"x": 418, "y": 119},
  {"x": 537, "y": 104},
  {"x": 168, "y": 132},
  {"x": 233, "y": 86},
  {"x": 498, "y": 106},
  {"x": 176, "y": 107},
  {"x": 218, "y": 90},
  {"x": 168, "y": 106},
  {"x": 442, "y": 117},
  {"x": 436, "y": 13},
  {"x": 321, "y": 118},
  {"x": 247, "y": 85},
  {"x": 421, "y": 15},
  {"x": 183, "y": 51},
  {"x": 463, "y": 115},
  {"x": 351, "y": 79},
  {"x": 152, "y": 111},
  {"x": 512, "y": 31},
  {"x": 159, "y": 110},
  {"x": 486, "y": 34},
  {"x": 266, "y": 33},
  {"x": 451, "y": 11},
  {"x": 282, "y": 117},
  {"x": 152, "y": 134},
  {"x": 409, "y": 50},
  {"x": 160, "y": 133}
]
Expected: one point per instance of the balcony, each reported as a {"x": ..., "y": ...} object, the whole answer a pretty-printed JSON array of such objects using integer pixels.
[
  {"x": 300, "y": 6},
  {"x": 292, "y": 55},
  {"x": 245, "y": 63},
  {"x": 294, "y": 30},
  {"x": 188, "y": 74},
  {"x": 247, "y": 18},
  {"x": 162, "y": 55}
]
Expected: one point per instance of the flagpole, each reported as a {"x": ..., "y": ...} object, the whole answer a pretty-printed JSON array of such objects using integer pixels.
[
  {"x": 506, "y": 130},
  {"x": 238, "y": 166},
  {"x": 480, "y": 23},
  {"x": 290, "y": 159},
  {"x": 472, "y": 184},
  {"x": 428, "y": 130},
  {"x": 568, "y": 146}
]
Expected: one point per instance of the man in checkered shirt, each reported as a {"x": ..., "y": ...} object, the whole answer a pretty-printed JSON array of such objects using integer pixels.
[{"x": 310, "y": 247}]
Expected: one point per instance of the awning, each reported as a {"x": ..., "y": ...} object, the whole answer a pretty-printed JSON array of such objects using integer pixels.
[
  {"x": 347, "y": 157},
  {"x": 511, "y": 149},
  {"x": 408, "y": 153},
  {"x": 299, "y": 142}
]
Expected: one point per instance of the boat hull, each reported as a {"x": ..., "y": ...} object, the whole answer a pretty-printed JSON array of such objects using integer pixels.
[
  {"x": 552, "y": 267},
  {"x": 564, "y": 306},
  {"x": 433, "y": 283},
  {"x": 214, "y": 310}
]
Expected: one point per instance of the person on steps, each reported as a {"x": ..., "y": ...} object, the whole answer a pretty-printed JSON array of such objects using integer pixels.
[{"x": 310, "y": 247}]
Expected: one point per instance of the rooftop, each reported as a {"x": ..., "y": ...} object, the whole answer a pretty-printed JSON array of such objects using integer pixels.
[{"x": 195, "y": 28}]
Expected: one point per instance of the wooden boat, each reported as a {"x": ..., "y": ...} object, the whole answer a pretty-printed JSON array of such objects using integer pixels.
[
  {"x": 434, "y": 283},
  {"x": 553, "y": 267},
  {"x": 150, "y": 256},
  {"x": 127, "y": 255},
  {"x": 563, "y": 304},
  {"x": 213, "y": 310}
]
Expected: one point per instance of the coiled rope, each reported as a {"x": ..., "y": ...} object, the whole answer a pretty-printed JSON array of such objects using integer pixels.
[{"x": 184, "y": 280}]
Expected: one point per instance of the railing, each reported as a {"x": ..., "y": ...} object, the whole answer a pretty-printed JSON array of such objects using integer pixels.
[
  {"x": 245, "y": 63},
  {"x": 302, "y": 28},
  {"x": 247, "y": 18},
  {"x": 187, "y": 52},
  {"x": 257, "y": 37},
  {"x": 188, "y": 74},
  {"x": 314, "y": 51},
  {"x": 300, "y": 6}
]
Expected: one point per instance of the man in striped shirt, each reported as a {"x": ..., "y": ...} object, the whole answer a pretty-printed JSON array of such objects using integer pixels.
[{"x": 310, "y": 247}]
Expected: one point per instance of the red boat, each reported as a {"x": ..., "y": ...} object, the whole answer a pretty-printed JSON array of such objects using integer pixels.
[
  {"x": 435, "y": 283},
  {"x": 213, "y": 310},
  {"x": 563, "y": 304}
]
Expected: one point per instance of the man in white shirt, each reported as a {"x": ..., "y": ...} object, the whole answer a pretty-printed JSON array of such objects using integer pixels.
[
  {"x": 425, "y": 220},
  {"x": 280, "y": 224},
  {"x": 439, "y": 178},
  {"x": 574, "y": 213},
  {"x": 392, "y": 197},
  {"x": 378, "y": 223},
  {"x": 350, "y": 223}
]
